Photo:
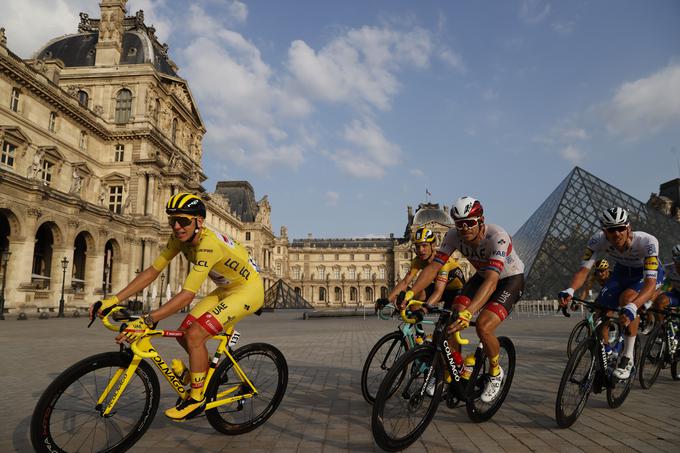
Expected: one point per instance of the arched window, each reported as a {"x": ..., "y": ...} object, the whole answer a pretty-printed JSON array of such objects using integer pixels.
[
  {"x": 369, "y": 294},
  {"x": 83, "y": 98},
  {"x": 123, "y": 106},
  {"x": 79, "y": 262},
  {"x": 42, "y": 257},
  {"x": 338, "y": 294},
  {"x": 383, "y": 292},
  {"x": 322, "y": 294},
  {"x": 353, "y": 294}
]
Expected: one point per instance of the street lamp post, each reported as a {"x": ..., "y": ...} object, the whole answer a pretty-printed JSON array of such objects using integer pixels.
[
  {"x": 160, "y": 302},
  {"x": 5, "y": 259},
  {"x": 64, "y": 265}
]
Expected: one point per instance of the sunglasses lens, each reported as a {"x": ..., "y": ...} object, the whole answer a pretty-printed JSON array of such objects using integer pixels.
[
  {"x": 183, "y": 221},
  {"x": 617, "y": 229},
  {"x": 469, "y": 223}
]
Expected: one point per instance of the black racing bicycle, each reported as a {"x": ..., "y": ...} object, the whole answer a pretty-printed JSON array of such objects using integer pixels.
[
  {"x": 590, "y": 369},
  {"x": 661, "y": 348},
  {"x": 414, "y": 386}
]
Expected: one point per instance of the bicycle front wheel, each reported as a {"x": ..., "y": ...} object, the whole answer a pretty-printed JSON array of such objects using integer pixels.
[
  {"x": 576, "y": 384},
  {"x": 266, "y": 368},
  {"x": 67, "y": 417},
  {"x": 403, "y": 408},
  {"x": 618, "y": 390},
  {"x": 477, "y": 410},
  {"x": 652, "y": 358},
  {"x": 580, "y": 332},
  {"x": 379, "y": 361}
]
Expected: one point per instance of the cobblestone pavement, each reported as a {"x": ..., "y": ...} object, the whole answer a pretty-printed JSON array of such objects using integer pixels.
[{"x": 323, "y": 409}]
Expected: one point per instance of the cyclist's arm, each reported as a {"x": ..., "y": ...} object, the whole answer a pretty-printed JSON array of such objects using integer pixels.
[
  {"x": 439, "y": 287},
  {"x": 140, "y": 282},
  {"x": 401, "y": 286},
  {"x": 179, "y": 301},
  {"x": 426, "y": 276},
  {"x": 651, "y": 270},
  {"x": 579, "y": 278},
  {"x": 485, "y": 290}
]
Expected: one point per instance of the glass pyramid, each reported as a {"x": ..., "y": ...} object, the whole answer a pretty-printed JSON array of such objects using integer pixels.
[
  {"x": 281, "y": 295},
  {"x": 551, "y": 242}
]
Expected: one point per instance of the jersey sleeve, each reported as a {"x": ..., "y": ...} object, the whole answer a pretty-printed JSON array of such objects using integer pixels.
[
  {"x": 169, "y": 252},
  {"x": 206, "y": 258},
  {"x": 651, "y": 265},
  {"x": 595, "y": 244},
  {"x": 446, "y": 248},
  {"x": 501, "y": 248}
]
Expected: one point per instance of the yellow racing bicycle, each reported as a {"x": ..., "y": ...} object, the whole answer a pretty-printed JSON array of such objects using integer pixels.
[{"x": 106, "y": 402}]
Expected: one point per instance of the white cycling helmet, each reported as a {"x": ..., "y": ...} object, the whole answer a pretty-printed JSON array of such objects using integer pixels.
[
  {"x": 676, "y": 253},
  {"x": 466, "y": 207},
  {"x": 614, "y": 217}
]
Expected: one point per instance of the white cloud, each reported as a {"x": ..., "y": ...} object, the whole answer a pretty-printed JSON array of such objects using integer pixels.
[
  {"x": 647, "y": 105},
  {"x": 572, "y": 154},
  {"x": 574, "y": 133},
  {"x": 417, "y": 172},
  {"x": 360, "y": 66},
  {"x": 332, "y": 198},
  {"x": 452, "y": 58},
  {"x": 534, "y": 11},
  {"x": 238, "y": 10},
  {"x": 563, "y": 28}
]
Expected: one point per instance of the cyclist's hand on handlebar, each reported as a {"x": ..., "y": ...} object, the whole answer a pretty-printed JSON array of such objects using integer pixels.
[
  {"x": 380, "y": 304},
  {"x": 106, "y": 305},
  {"x": 565, "y": 296},
  {"x": 132, "y": 331},
  {"x": 462, "y": 322},
  {"x": 404, "y": 298}
]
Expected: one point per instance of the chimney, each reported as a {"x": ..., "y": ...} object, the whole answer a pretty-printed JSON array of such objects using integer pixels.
[{"x": 111, "y": 31}]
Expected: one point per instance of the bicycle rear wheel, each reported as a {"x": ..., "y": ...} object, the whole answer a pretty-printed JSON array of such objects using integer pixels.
[
  {"x": 379, "y": 361},
  {"x": 617, "y": 391},
  {"x": 477, "y": 410},
  {"x": 68, "y": 418},
  {"x": 402, "y": 408},
  {"x": 576, "y": 384},
  {"x": 266, "y": 367},
  {"x": 652, "y": 358},
  {"x": 580, "y": 332}
]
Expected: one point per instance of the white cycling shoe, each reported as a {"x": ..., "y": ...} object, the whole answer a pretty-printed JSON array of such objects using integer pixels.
[
  {"x": 622, "y": 372},
  {"x": 493, "y": 387}
]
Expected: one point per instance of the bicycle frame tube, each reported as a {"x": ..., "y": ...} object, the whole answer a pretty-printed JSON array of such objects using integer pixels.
[{"x": 126, "y": 377}]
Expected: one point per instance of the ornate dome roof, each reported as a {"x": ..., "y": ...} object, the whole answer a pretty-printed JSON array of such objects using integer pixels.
[
  {"x": 431, "y": 212},
  {"x": 139, "y": 46}
]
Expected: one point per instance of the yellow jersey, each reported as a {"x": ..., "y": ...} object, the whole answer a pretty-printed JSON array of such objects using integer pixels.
[
  {"x": 450, "y": 272},
  {"x": 217, "y": 256}
]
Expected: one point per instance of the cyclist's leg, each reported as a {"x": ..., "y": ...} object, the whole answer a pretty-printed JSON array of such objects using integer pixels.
[
  {"x": 461, "y": 303},
  {"x": 609, "y": 297}
]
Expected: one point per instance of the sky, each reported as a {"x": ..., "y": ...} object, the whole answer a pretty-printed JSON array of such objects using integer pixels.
[{"x": 344, "y": 113}]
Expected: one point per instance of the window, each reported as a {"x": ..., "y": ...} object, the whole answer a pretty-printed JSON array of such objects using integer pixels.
[
  {"x": 278, "y": 268},
  {"x": 381, "y": 273},
  {"x": 407, "y": 255},
  {"x": 116, "y": 199},
  {"x": 322, "y": 273},
  {"x": 52, "y": 126},
  {"x": 352, "y": 273},
  {"x": 123, "y": 106},
  {"x": 174, "y": 129},
  {"x": 338, "y": 294},
  {"x": 351, "y": 256},
  {"x": 367, "y": 257},
  {"x": 83, "y": 140},
  {"x": 46, "y": 174},
  {"x": 278, "y": 249},
  {"x": 337, "y": 257},
  {"x": 8, "y": 153},
  {"x": 336, "y": 273},
  {"x": 247, "y": 235},
  {"x": 83, "y": 98},
  {"x": 296, "y": 273},
  {"x": 120, "y": 153},
  {"x": 14, "y": 100},
  {"x": 322, "y": 294}
]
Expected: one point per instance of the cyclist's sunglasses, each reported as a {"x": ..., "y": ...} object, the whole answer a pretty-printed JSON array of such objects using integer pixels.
[
  {"x": 617, "y": 229},
  {"x": 184, "y": 221},
  {"x": 467, "y": 223}
]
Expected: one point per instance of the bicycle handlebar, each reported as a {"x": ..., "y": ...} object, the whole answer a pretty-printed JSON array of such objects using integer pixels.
[
  {"x": 590, "y": 304},
  {"x": 418, "y": 316},
  {"x": 381, "y": 312}
]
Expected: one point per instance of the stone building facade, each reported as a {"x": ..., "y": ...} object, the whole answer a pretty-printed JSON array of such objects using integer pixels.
[
  {"x": 354, "y": 272},
  {"x": 97, "y": 131}
]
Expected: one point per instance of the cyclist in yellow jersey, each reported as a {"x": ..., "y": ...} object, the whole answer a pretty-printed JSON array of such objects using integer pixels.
[
  {"x": 599, "y": 275},
  {"x": 239, "y": 292},
  {"x": 446, "y": 285}
]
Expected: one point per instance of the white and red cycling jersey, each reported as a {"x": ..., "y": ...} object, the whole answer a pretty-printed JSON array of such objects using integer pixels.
[
  {"x": 642, "y": 253},
  {"x": 494, "y": 252}
]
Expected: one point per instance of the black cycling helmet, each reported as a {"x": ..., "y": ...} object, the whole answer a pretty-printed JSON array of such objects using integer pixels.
[{"x": 185, "y": 203}]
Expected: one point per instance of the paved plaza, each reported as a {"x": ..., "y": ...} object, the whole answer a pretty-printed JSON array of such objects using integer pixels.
[{"x": 323, "y": 409}]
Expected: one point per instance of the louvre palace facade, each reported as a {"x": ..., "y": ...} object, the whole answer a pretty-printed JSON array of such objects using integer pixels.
[{"x": 97, "y": 131}]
